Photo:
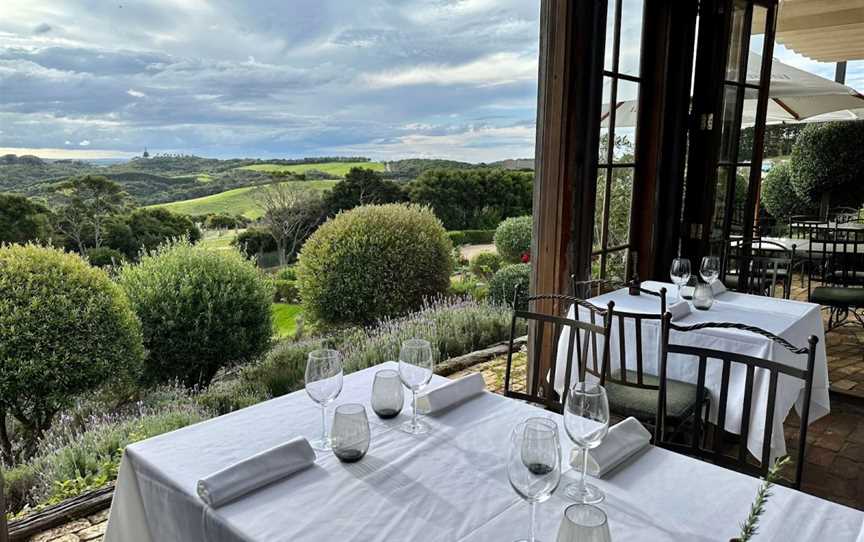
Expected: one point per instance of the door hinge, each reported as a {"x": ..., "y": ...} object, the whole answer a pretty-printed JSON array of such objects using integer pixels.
[{"x": 706, "y": 121}]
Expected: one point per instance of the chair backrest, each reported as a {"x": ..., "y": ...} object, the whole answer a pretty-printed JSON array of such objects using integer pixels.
[
  {"x": 842, "y": 215},
  {"x": 837, "y": 257},
  {"x": 616, "y": 370},
  {"x": 550, "y": 332},
  {"x": 586, "y": 289},
  {"x": 715, "y": 451},
  {"x": 800, "y": 226},
  {"x": 760, "y": 266}
]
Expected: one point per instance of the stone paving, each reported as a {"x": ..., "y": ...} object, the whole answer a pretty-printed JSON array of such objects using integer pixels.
[{"x": 89, "y": 529}]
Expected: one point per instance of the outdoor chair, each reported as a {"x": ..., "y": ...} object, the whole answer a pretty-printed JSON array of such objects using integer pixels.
[
  {"x": 800, "y": 226},
  {"x": 841, "y": 276},
  {"x": 586, "y": 289},
  {"x": 842, "y": 215},
  {"x": 717, "y": 451},
  {"x": 548, "y": 328},
  {"x": 758, "y": 267}
]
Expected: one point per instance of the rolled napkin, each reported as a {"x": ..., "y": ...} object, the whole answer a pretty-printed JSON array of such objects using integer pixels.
[
  {"x": 717, "y": 287},
  {"x": 623, "y": 440},
  {"x": 679, "y": 310},
  {"x": 255, "y": 472},
  {"x": 451, "y": 394}
]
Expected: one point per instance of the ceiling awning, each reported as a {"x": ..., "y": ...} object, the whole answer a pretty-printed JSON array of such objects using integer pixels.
[{"x": 823, "y": 30}]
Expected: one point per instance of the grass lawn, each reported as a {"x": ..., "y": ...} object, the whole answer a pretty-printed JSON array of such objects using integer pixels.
[
  {"x": 285, "y": 319},
  {"x": 239, "y": 201},
  {"x": 214, "y": 241},
  {"x": 338, "y": 169}
]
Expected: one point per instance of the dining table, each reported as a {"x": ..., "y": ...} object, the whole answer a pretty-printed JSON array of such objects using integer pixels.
[
  {"x": 450, "y": 484},
  {"x": 792, "y": 320}
]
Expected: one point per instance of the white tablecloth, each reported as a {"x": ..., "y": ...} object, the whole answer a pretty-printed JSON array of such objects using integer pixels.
[
  {"x": 449, "y": 485},
  {"x": 795, "y": 321}
]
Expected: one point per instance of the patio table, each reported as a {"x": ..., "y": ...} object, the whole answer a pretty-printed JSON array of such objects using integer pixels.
[
  {"x": 795, "y": 321},
  {"x": 448, "y": 485}
]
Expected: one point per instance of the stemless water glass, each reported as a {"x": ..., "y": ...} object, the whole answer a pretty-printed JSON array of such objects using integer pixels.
[
  {"x": 350, "y": 432},
  {"x": 415, "y": 370},
  {"x": 680, "y": 273},
  {"x": 323, "y": 384},
  {"x": 534, "y": 463},
  {"x": 710, "y": 269},
  {"x": 584, "y": 523},
  {"x": 388, "y": 396},
  {"x": 586, "y": 420}
]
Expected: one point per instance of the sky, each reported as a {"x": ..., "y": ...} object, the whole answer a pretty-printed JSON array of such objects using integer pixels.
[{"x": 386, "y": 79}]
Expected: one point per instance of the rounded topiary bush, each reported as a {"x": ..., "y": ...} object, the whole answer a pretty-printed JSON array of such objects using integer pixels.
[
  {"x": 513, "y": 238},
  {"x": 485, "y": 264},
  {"x": 373, "y": 262},
  {"x": 828, "y": 158},
  {"x": 65, "y": 329},
  {"x": 105, "y": 257},
  {"x": 510, "y": 280},
  {"x": 779, "y": 198},
  {"x": 200, "y": 310}
]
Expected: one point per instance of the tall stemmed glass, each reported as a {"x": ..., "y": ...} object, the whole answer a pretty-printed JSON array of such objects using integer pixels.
[
  {"x": 680, "y": 273},
  {"x": 415, "y": 370},
  {"x": 323, "y": 384},
  {"x": 710, "y": 269},
  {"x": 586, "y": 420},
  {"x": 534, "y": 463}
]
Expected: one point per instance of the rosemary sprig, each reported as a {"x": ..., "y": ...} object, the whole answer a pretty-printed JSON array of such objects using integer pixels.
[{"x": 751, "y": 526}]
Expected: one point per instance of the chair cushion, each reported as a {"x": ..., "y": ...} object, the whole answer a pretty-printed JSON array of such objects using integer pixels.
[
  {"x": 838, "y": 297},
  {"x": 641, "y": 403}
]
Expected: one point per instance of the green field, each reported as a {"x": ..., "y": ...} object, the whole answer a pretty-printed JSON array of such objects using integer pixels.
[
  {"x": 218, "y": 240},
  {"x": 240, "y": 201},
  {"x": 338, "y": 169},
  {"x": 285, "y": 319}
]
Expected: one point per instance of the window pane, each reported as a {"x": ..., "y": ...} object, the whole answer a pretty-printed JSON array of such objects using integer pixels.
[
  {"x": 730, "y": 123},
  {"x": 595, "y": 266},
  {"x": 757, "y": 31},
  {"x": 734, "y": 67},
  {"x": 626, "y": 112},
  {"x": 599, "y": 202},
  {"x": 616, "y": 265},
  {"x": 603, "y": 148},
  {"x": 720, "y": 203},
  {"x": 610, "y": 35},
  {"x": 620, "y": 197},
  {"x": 739, "y": 200},
  {"x": 631, "y": 37}
]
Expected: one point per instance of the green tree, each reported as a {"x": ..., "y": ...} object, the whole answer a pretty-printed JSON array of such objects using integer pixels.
[
  {"x": 84, "y": 205},
  {"x": 362, "y": 186},
  {"x": 291, "y": 214},
  {"x": 827, "y": 162},
  {"x": 147, "y": 229},
  {"x": 23, "y": 220}
]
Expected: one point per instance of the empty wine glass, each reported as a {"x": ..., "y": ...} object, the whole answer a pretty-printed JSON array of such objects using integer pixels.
[
  {"x": 586, "y": 420},
  {"x": 710, "y": 269},
  {"x": 323, "y": 384},
  {"x": 680, "y": 273},
  {"x": 534, "y": 463},
  {"x": 415, "y": 370}
]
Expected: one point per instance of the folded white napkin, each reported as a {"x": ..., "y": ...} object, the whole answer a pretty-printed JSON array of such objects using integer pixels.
[
  {"x": 255, "y": 472},
  {"x": 450, "y": 393},
  {"x": 679, "y": 310},
  {"x": 623, "y": 440},
  {"x": 717, "y": 287}
]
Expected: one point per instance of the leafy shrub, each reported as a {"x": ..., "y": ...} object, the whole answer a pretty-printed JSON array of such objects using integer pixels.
[
  {"x": 105, "y": 257},
  {"x": 23, "y": 220},
  {"x": 221, "y": 222},
  {"x": 828, "y": 158},
  {"x": 513, "y": 238},
  {"x": 469, "y": 286},
  {"x": 779, "y": 198},
  {"x": 505, "y": 283},
  {"x": 485, "y": 264},
  {"x": 65, "y": 329},
  {"x": 200, "y": 310},
  {"x": 282, "y": 370},
  {"x": 146, "y": 229},
  {"x": 230, "y": 395},
  {"x": 285, "y": 291},
  {"x": 471, "y": 237},
  {"x": 373, "y": 262},
  {"x": 287, "y": 273},
  {"x": 254, "y": 241}
]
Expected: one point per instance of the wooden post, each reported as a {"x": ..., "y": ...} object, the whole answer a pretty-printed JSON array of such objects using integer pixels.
[{"x": 568, "y": 123}]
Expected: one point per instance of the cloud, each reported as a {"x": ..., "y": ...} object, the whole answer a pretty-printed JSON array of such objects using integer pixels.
[
  {"x": 42, "y": 28},
  {"x": 135, "y": 94},
  {"x": 85, "y": 143},
  {"x": 497, "y": 69}
]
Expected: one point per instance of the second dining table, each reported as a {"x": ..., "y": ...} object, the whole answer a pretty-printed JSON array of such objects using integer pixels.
[{"x": 792, "y": 320}]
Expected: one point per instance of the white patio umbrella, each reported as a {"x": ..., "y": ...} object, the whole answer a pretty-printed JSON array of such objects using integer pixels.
[{"x": 794, "y": 96}]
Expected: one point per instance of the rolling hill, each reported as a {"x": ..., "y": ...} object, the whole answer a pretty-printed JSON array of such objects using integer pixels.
[
  {"x": 240, "y": 201},
  {"x": 336, "y": 169}
]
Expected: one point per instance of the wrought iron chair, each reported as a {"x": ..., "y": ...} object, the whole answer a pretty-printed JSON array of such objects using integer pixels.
[
  {"x": 800, "y": 226},
  {"x": 841, "y": 275},
  {"x": 842, "y": 215},
  {"x": 758, "y": 267},
  {"x": 586, "y": 289},
  {"x": 580, "y": 335},
  {"x": 716, "y": 451}
]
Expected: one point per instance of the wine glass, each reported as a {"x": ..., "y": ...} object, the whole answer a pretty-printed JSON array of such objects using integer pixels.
[
  {"x": 534, "y": 463},
  {"x": 710, "y": 269},
  {"x": 323, "y": 384},
  {"x": 415, "y": 370},
  {"x": 680, "y": 273},
  {"x": 586, "y": 420}
]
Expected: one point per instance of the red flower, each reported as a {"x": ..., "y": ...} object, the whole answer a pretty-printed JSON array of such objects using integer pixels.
[{"x": 526, "y": 257}]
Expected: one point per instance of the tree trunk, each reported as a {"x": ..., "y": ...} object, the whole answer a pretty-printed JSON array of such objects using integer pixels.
[
  {"x": 280, "y": 247},
  {"x": 5, "y": 442}
]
